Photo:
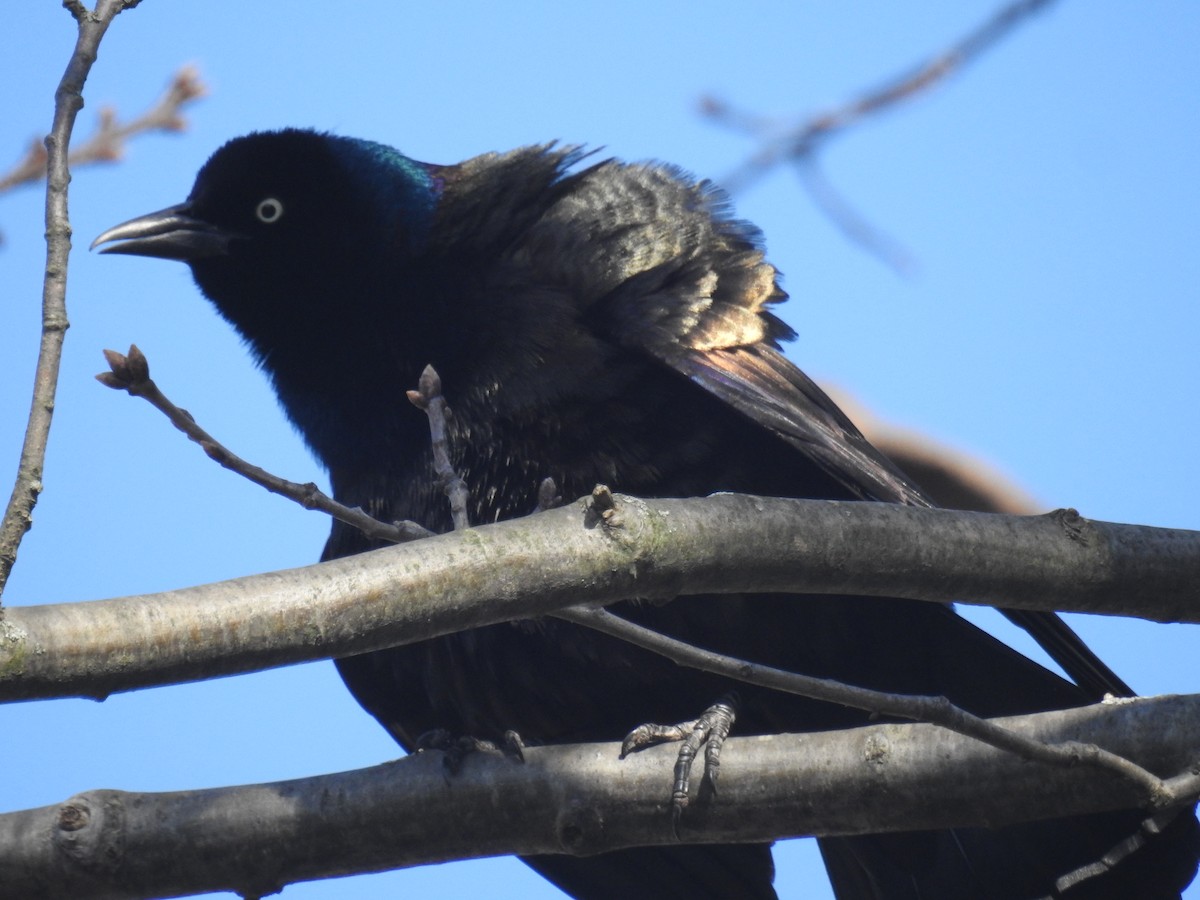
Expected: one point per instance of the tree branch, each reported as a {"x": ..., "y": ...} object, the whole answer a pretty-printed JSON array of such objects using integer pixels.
[
  {"x": 934, "y": 710},
  {"x": 131, "y": 373},
  {"x": 801, "y": 143},
  {"x": 107, "y": 142},
  {"x": 68, "y": 100},
  {"x": 576, "y": 799},
  {"x": 428, "y": 398},
  {"x": 528, "y": 567},
  {"x": 804, "y": 139}
]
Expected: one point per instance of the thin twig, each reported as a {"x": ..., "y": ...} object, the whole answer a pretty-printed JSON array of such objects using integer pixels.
[
  {"x": 131, "y": 373},
  {"x": 428, "y": 398},
  {"x": 107, "y": 142},
  {"x": 68, "y": 100},
  {"x": 806, "y": 137},
  {"x": 849, "y": 221},
  {"x": 801, "y": 142},
  {"x": 934, "y": 710}
]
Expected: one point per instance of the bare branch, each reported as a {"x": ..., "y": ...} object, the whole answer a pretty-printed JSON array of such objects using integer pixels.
[
  {"x": 131, "y": 373},
  {"x": 577, "y": 799},
  {"x": 849, "y": 221},
  {"x": 934, "y": 710},
  {"x": 643, "y": 548},
  {"x": 801, "y": 143},
  {"x": 107, "y": 142},
  {"x": 804, "y": 139},
  {"x": 68, "y": 100},
  {"x": 428, "y": 398}
]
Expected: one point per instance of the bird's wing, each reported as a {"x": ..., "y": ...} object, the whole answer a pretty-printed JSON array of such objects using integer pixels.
[
  {"x": 697, "y": 298},
  {"x": 772, "y": 392},
  {"x": 660, "y": 266},
  {"x": 761, "y": 384}
]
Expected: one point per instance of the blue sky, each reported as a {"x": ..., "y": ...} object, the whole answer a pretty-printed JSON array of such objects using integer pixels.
[{"x": 1049, "y": 196}]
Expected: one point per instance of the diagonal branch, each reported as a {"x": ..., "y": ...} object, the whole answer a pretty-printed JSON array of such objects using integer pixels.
[
  {"x": 932, "y": 710},
  {"x": 853, "y": 224},
  {"x": 801, "y": 143},
  {"x": 804, "y": 139},
  {"x": 107, "y": 142},
  {"x": 131, "y": 373}
]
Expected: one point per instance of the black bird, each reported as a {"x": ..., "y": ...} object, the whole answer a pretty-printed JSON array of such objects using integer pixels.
[{"x": 608, "y": 323}]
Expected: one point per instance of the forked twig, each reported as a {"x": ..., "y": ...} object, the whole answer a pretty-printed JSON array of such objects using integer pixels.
[
  {"x": 131, "y": 373},
  {"x": 107, "y": 142},
  {"x": 800, "y": 144}
]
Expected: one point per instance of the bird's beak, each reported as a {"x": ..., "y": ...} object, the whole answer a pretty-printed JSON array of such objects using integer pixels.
[{"x": 170, "y": 233}]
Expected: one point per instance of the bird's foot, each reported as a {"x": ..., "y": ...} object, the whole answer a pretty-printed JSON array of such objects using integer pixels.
[
  {"x": 457, "y": 748},
  {"x": 548, "y": 496},
  {"x": 710, "y": 729}
]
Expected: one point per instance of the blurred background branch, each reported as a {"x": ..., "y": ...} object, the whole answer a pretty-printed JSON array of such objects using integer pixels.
[
  {"x": 799, "y": 143},
  {"x": 107, "y": 142}
]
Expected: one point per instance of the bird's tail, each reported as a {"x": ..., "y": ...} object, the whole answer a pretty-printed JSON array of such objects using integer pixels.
[{"x": 1109, "y": 856}]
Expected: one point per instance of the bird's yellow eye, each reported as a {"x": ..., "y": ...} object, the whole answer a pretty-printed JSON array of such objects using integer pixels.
[{"x": 269, "y": 211}]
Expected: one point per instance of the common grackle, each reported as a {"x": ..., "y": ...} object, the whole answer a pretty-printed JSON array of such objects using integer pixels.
[{"x": 603, "y": 322}]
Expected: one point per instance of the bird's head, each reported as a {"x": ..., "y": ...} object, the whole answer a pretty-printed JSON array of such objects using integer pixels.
[{"x": 289, "y": 223}]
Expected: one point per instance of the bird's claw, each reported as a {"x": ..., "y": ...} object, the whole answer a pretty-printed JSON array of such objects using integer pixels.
[
  {"x": 512, "y": 746},
  {"x": 650, "y": 734},
  {"x": 548, "y": 496},
  {"x": 457, "y": 748},
  {"x": 710, "y": 730}
]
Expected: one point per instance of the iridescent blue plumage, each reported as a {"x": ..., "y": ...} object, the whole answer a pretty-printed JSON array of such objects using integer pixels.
[{"x": 399, "y": 185}]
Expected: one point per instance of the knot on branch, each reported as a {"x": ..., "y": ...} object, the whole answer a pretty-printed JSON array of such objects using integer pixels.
[
  {"x": 1073, "y": 525},
  {"x": 580, "y": 829},
  {"x": 90, "y": 829},
  {"x": 877, "y": 751},
  {"x": 602, "y": 508}
]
